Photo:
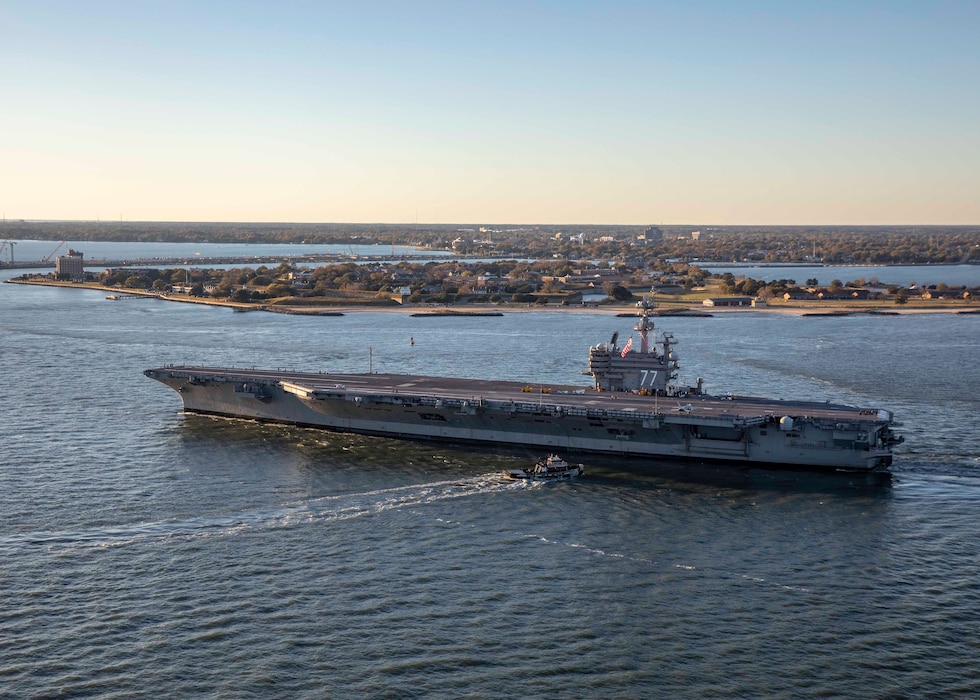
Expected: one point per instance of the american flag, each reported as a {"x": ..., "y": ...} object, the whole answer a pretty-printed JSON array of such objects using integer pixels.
[{"x": 629, "y": 344}]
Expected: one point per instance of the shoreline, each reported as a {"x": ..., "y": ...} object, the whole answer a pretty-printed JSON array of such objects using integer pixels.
[{"x": 813, "y": 309}]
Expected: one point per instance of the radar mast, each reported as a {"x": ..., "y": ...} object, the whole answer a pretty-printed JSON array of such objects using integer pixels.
[{"x": 644, "y": 325}]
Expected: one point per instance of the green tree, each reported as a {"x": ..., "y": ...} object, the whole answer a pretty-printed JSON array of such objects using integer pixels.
[
  {"x": 280, "y": 290},
  {"x": 137, "y": 282},
  {"x": 747, "y": 286},
  {"x": 619, "y": 293}
]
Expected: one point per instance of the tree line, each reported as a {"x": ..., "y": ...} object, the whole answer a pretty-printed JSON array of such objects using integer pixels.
[{"x": 818, "y": 244}]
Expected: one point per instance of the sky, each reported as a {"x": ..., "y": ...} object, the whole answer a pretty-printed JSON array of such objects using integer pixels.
[{"x": 548, "y": 112}]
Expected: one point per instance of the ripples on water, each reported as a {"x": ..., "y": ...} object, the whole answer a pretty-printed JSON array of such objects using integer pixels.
[{"x": 148, "y": 553}]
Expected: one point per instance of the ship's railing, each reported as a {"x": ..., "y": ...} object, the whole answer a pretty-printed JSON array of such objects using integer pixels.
[
  {"x": 750, "y": 421},
  {"x": 555, "y": 409}
]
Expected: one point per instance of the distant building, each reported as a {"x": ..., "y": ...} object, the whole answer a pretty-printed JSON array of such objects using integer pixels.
[
  {"x": 71, "y": 266},
  {"x": 653, "y": 234},
  {"x": 695, "y": 235}
]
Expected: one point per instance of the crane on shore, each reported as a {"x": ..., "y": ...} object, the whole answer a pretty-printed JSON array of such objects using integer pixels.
[{"x": 51, "y": 254}]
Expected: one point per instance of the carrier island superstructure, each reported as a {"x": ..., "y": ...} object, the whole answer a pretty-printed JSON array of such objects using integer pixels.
[{"x": 632, "y": 409}]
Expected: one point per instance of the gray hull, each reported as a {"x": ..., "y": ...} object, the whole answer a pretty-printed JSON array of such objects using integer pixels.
[{"x": 567, "y": 418}]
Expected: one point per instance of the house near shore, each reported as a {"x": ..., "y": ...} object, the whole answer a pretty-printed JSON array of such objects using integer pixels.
[
  {"x": 933, "y": 291},
  {"x": 301, "y": 279},
  {"x": 812, "y": 294},
  {"x": 844, "y": 295},
  {"x": 728, "y": 301}
]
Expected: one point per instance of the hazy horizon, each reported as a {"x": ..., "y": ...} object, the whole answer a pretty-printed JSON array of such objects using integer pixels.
[
  {"x": 545, "y": 224},
  {"x": 545, "y": 113}
]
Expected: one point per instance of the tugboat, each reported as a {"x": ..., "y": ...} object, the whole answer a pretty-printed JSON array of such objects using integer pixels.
[{"x": 550, "y": 467}]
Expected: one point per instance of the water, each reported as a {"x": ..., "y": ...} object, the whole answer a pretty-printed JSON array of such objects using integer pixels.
[
  {"x": 149, "y": 554},
  {"x": 31, "y": 250}
]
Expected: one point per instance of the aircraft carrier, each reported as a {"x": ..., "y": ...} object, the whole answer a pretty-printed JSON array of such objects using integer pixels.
[{"x": 633, "y": 408}]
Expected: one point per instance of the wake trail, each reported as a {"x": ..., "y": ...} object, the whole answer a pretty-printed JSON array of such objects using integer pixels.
[{"x": 324, "y": 508}]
